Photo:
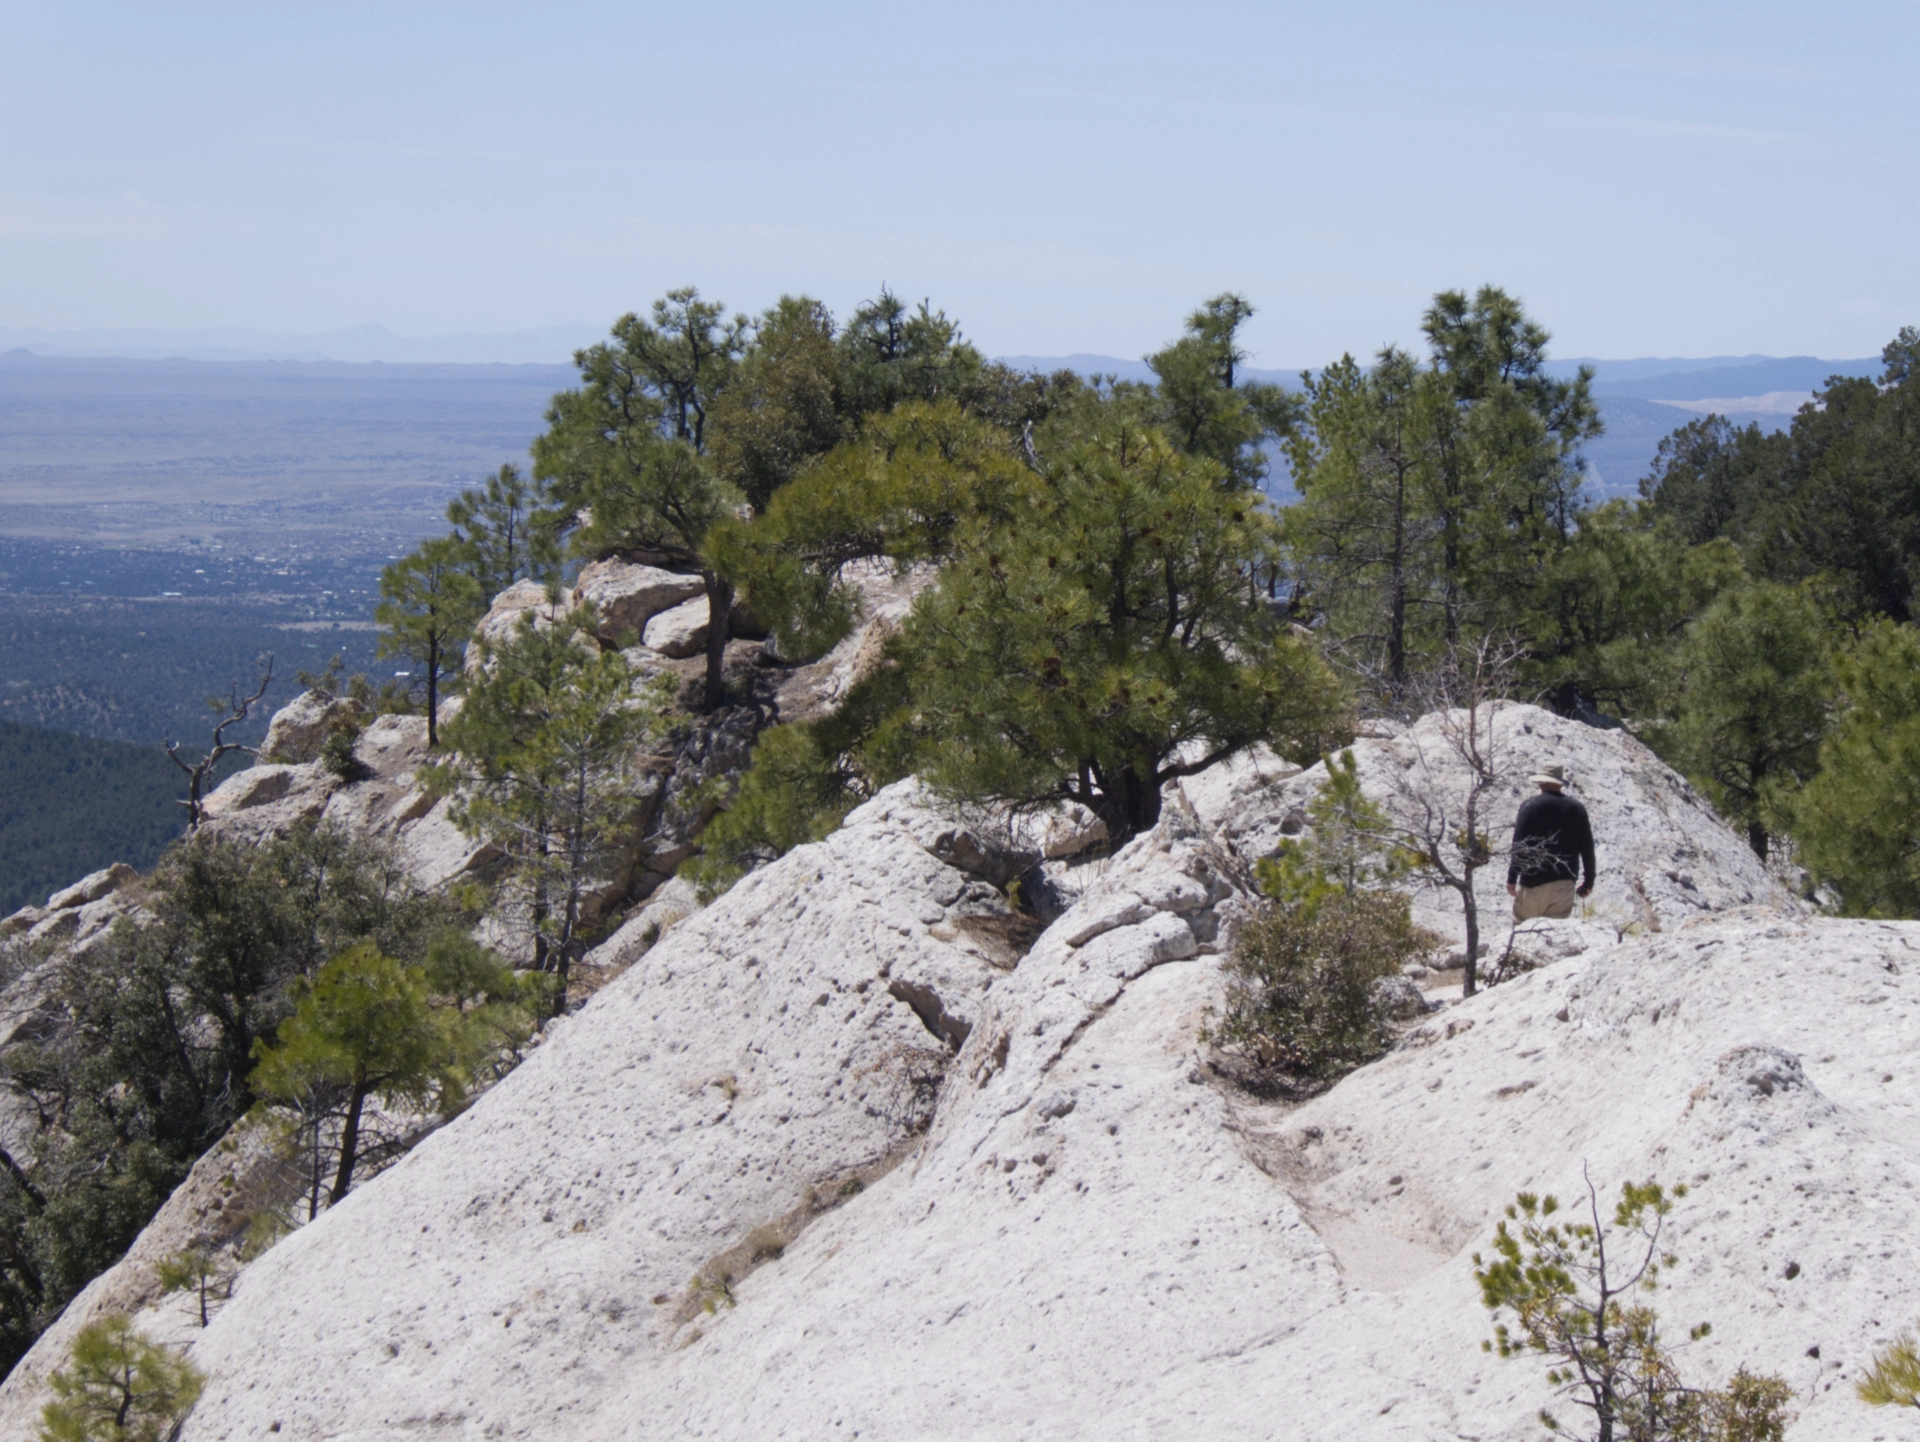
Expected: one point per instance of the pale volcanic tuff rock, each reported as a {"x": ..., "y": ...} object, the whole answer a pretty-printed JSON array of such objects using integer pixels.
[
  {"x": 523, "y": 603},
  {"x": 210, "y": 1209},
  {"x": 1110, "y": 1245},
  {"x": 625, "y": 596},
  {"x": 759, "y": 1050},
  {"x": 680, "y": 631},
  {"x": 1664, "y": 854},
  {"x": 299, "y": 729},
  {"x": 96, "y": 886},
  {"x": 1096, "y": 1236}
]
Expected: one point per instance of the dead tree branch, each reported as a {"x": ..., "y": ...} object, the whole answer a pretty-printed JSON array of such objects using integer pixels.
[{"x": 233, "y": 709}]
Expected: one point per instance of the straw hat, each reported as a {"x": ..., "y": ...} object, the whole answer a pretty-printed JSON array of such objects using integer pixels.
[{"x": 1551, "y": 775}]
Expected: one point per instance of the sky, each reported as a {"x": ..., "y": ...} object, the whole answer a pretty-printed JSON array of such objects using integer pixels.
[{"x": 1666, "y": 179}]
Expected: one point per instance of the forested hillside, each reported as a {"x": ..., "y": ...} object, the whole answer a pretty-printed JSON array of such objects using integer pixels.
[{"x": 73, "y": 804}]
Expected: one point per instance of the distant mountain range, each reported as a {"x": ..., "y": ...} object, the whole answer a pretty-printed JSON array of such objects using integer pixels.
[{"x": 546, "y": 345}]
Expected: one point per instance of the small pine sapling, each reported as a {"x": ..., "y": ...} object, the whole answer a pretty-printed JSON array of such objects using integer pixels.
[
  {"x": 1302, "y": 982},
  {"x": 118, "y": 1387},
  {"x": 1570, "y": 1287},
  {"x": 204, "y": 1270}
]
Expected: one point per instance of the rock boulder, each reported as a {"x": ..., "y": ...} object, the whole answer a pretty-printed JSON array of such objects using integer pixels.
[
  {"x": 625, "y": 596},
  {"x": 679, "y": 631},
  {"x": 299, "y": 729}
]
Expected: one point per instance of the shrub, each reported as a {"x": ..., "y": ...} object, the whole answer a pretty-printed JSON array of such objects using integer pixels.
[
  {"x": 205, "y": 1270},
  {"x": 118, "y": 1387},
  {"x": 790, "y": 795},
  {"x": 1566, "y": 1285},
  {"x": 805, "y": 777},
  {"x": 1855, "y": 821},
  {"x": 1300, "y": 983},
  {"x": 336, "y": 751}
]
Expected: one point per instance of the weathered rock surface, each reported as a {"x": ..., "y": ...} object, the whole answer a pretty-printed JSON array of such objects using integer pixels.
[
  {"x": 1093, "y": 1230},
  {"x": 765, "y": 1047},
  {"x": 210, "y": 1209},
  {"x": 679, "y": 631},
  {"x": 521, "y": 599},
  {"x": 1664, "y": 855},
  {"x": 94, "y": 887},
  {"x": 299, "y": 729},
  {"x": 625, "y": 596}
]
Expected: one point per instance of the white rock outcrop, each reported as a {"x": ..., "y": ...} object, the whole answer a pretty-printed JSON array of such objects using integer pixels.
[
  {"x": 765, "y": 1051},
  {"x": 679, "y": 631},
  {"x": 94, "y": 887},
  {"x": 299, "y": 729},
  {"x": 1094, "y": 1234},
  {"x": 1664, "y": 855},
  {"x": 522, "y": 599},
  {"x": 625, "y": 596}
]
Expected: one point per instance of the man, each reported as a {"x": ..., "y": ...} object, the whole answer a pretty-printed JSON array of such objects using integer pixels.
[{"x": 1552, "y": 842}]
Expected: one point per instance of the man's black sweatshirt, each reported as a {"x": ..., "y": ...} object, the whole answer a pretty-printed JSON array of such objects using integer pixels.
[{"x": 1557, "y": 826}]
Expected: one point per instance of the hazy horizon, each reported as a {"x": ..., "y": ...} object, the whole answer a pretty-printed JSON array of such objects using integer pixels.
[{"x": 372, "y": 342}]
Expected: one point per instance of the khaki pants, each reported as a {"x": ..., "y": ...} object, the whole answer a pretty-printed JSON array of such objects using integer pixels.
[{"x": 1554, "y": 901}]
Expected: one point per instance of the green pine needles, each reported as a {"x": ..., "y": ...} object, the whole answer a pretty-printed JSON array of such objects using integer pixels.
[
  {"x": 1857, "y": 821},
  {"x": 119, "y": 1387},
  {"x": 1302, "y": 1003},
  {"x": 370, "y": 1031},
  {"x": 1574, "y": 1289},
  {"x": 1894, "y": 1378},
  {"x": 547, "y": 765}
]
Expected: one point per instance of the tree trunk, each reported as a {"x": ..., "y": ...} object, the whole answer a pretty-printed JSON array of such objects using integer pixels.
[
  {"x": 542, "y": 953},
  {"x": 719, "y": 603},
  {"x": 1397, "y": 605},
  {"x": 1470, "y": 904},
  {"x": 1757, "y": 839},
  {"x": 433, "y": 692},
  {"x": 349, "y": 1144},
  {"x": 1129, "y": 804},
  {"x": 314, "y": 1172}
]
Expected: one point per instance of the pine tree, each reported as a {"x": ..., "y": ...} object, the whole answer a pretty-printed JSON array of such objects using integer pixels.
[
  {"x": 1438, "y": 500},
  {"x": 1364, "y": 535},
  {"x": 503, "y": 534},
  {"x": 890, "y": 354},
  {"x": 1106, "y": 639},
  {"x": 783, "y": 409},
  {"x": 548, "y": 768},
  {"x": 627, "y": 448},
  {"x": 1857, "y": 822},
  {"x": 1206, "y": 407},
  {"x": 363, "y": 1030},
  {"x": 430, "y": 600},
  {"x": 118, "y": 1387},
  {"x": 1575, "y": 1288},
  {"x": 1755, "y": 680}
]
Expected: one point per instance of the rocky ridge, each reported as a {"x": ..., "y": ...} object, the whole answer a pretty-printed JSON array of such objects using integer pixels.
[
  {"x": 964, "y": 1186},
  {"x": 853, "y": 1151}
]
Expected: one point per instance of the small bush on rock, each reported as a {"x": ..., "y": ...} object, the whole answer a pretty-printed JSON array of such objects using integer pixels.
[
  {"x": 1305, "y": 998},
  {"x": 1301, "y": 998},
  {"x": 118, "y": 1387},
  {"x": 805, "y": 777},
  {"x": 336, "y": 752},
  {"x": 1567, "y": 1284}
]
